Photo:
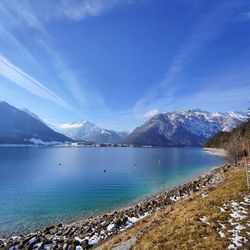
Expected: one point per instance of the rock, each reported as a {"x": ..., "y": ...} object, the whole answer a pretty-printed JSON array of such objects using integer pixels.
[
  {"x": 46, "y": 243},
  {"x": 85, "y": 244},
  {"x": 118, "y": 222},
  {"x": 65, "y": 246},
  {"x": 68, "y": 230},
  {"x": 47, "y": 229}
]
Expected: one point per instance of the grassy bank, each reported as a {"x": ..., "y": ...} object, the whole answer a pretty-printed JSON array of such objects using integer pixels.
[{"x": 216, "y": 217}]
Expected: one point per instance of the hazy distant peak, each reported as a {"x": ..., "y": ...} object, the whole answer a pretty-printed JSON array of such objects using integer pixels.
[{"x": 89, "y": 131}]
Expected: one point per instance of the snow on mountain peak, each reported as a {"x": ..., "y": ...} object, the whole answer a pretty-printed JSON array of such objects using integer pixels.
[
  {"x": 89, "y": 131},
  {"x": 75, "y": 125},
  {"x": 185, "y": 127}
]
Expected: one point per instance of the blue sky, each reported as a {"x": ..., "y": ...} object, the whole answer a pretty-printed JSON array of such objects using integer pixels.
[{"x": 118, "y": 62}]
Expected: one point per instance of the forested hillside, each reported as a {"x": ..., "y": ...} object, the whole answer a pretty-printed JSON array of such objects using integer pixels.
[{"x": 220, "y": 140}]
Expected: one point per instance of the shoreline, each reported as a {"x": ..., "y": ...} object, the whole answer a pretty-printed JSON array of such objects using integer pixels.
[
  {"x": 216, "y": 151},
  {"x": 89, "y": 231}
]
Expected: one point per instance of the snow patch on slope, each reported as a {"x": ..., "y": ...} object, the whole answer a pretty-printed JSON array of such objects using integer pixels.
[{"x": 37, "y": 141}]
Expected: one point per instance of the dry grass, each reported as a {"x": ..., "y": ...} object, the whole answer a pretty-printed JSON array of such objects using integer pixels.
[{"x": 179, "y": 226}]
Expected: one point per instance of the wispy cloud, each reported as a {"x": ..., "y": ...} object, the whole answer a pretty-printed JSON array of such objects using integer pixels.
[
  {"x": 243, "y": 17},
  {"x": 151, "y": 113},
  {"x": 23, "y": 80},
  {"x": 76, "y": 10},
  {"x": 221, "y": 94},
  {"x": 81, "y": 91},
  {"x": 29, "y": 17},
  {"x": 33, "y": 13},
  {"x": 201, "y": 34}
]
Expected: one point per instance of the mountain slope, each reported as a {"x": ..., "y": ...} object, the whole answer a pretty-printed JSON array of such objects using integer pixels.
[
  {"x": 90, "y": 132},
  {"x": 220, "y": 139},
  {"x": 179, "y": 128},
  {"x": 19, "y": 127}
]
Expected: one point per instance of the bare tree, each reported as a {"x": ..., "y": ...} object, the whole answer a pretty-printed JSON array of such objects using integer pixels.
[{"x": 234, "y": 147}]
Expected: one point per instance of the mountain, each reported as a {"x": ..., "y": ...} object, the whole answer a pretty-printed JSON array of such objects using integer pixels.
[
  {"x": 89, "y": 131},
  {"x": 191, "y": 127},
  {"x": 19, "y": 127},
  {"x": 33, "y": 115},
  {"x": 221, "y": 138}
]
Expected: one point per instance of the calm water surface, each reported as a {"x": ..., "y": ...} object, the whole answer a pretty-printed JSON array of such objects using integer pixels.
[{"x": 42, "y": 186}]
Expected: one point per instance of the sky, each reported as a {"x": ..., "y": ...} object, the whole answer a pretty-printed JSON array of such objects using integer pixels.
[{"x": 119, "y": 62}]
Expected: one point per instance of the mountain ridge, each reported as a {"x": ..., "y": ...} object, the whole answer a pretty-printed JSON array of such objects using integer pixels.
[
  {"x": 19, "y": 127},
  {"x": 191, "y": 127}
]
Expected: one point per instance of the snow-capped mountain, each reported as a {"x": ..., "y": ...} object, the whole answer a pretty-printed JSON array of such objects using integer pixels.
[
  {"x": 190, "y": 127},
  {"x": 89, "y": 131},
  {"x": 19, "y": 127}
]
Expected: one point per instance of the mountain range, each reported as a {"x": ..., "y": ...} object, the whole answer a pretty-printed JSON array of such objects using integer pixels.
[
  {"x": 89, "y": 131},
  {"x": 19, "y": 127},
  {"x": 190, "y": 128},
  {"x": 222, "y": 138},
  {"x": 177, "y": 128}
]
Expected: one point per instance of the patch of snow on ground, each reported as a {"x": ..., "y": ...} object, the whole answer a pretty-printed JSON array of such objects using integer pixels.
[
  {"x": 222, "y": 235},
  {"x": 247, "y": 199},
  {"x": 175, "y": 198},
  {"x": 239, "y": 228},
  {"x": 204, "y": 220},
  {"x": 79, "y": 248},
  {"x": 222, "y": 210},
  {"x": 237, "y": 240},
  {"x": 110, "y": 227},
  {"x": 238, "y": 215},
  {"x": 93, "y": 240},
  {"x": 234, "y": 204},
  {"x": 222, "y": 225},
  {"x": 232, "y": 223},
  {"x": 231, "y": 246},
  {"x": 132, "y": 219},
  {"x": 204, "y": 195}
]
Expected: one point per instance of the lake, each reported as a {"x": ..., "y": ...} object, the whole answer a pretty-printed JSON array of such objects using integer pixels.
[{"x": 40, "y": 186}]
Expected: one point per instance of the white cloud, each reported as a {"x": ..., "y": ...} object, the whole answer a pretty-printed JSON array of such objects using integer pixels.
[
  {"x": 151, "y": 113},
  {"x": 23, "y": 80}
]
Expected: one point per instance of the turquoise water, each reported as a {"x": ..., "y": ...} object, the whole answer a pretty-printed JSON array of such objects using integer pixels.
[{"x": 42, "y": 186}]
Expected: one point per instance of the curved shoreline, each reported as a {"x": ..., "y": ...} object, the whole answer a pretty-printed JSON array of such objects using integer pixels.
[
  {"x": 216, "y": 151},
  {"x": 86, "y": 232}
]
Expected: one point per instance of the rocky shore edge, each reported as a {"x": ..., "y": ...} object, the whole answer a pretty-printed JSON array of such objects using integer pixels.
[{"x": 86, "y": 233}]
